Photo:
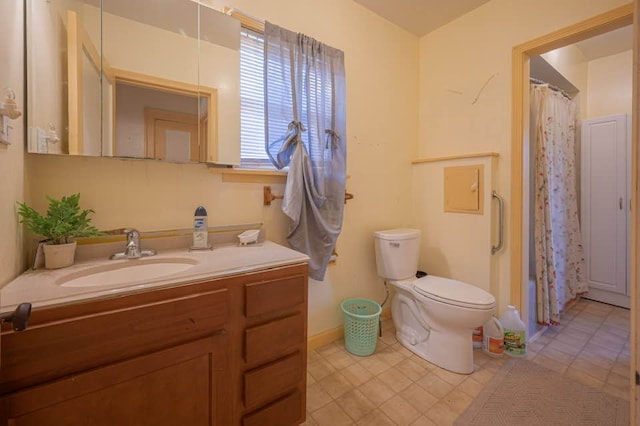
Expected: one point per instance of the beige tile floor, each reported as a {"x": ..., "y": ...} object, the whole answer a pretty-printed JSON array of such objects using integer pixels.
[{"x": 395, "y": 387}]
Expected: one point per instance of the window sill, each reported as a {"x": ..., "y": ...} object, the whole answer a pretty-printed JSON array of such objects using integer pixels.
[{"x": 251, "y": 175}]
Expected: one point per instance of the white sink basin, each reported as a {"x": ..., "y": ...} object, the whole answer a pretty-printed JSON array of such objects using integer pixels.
[{"x": 126, "y": 272}]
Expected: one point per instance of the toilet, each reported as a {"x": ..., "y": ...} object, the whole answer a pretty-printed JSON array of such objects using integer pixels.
[{"x": 434, "y": 317}]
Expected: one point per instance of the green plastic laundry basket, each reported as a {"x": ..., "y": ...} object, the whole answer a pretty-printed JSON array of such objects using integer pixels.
[{"x": 361, "y": 323}]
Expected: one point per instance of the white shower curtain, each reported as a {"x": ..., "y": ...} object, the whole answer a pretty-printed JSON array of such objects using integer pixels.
[{"x": 560, "y": 266}]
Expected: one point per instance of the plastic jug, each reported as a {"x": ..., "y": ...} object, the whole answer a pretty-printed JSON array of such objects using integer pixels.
[
  {"x": 477, "y": 337},
  {"x": 493, "y": 339},
  {"x": 515, "y": 335}
]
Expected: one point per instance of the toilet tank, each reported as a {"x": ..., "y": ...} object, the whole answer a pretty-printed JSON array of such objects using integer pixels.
[{"x": 397, "y": 252}]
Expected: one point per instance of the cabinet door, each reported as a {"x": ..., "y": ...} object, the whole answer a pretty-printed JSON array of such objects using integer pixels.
[
  {"x": 181, "y": 385},
  {"x": 604, "y": 202}
]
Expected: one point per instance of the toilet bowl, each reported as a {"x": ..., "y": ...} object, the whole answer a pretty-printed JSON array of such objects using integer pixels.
[{"x": 434, "y": 316}]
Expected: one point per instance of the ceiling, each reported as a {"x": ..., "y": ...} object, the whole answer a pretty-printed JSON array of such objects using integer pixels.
[
  {"x": 616, "y": 41},
  {"x": 421, "y": 16}
]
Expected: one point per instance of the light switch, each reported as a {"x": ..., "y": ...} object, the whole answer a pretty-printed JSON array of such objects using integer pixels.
[{"x": 463, "y": 189}]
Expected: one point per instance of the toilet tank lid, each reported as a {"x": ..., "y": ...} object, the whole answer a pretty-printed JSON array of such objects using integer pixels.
[{"x": 398, "y": 234}]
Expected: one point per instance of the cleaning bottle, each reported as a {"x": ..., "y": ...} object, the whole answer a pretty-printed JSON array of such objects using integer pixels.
[
  {"x": 200, "y": 230},
  {"x": 477, "y": 337},
  {"x": 515, "y": 339},
  {"x": 493, "y": 339}
]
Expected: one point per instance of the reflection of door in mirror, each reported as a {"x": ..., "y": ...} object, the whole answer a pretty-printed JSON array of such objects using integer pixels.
[
  {"x": 171, "y": 136},
  {"x": 143, "y": 102}
]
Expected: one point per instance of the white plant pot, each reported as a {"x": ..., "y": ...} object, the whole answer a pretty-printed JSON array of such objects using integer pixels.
[{"x": 59, "y": 255}]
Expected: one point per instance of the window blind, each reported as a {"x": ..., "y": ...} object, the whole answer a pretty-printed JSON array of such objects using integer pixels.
[
  {"x": 252, "y": 134},
  {"x": 252, "y": 102}
]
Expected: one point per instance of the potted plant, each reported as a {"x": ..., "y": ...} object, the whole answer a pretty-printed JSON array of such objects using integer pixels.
[{"x": 62, "y": 224}]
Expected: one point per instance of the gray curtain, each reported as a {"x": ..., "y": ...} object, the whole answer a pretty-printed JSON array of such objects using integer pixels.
[{"x": 305, "y": 127}]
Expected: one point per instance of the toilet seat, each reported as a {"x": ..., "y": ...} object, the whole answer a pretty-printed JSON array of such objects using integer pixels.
[{"x": 454, "y": 292}]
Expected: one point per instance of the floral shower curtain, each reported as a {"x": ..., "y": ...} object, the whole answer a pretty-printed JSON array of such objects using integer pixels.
[{"x": 560, "y": 266}]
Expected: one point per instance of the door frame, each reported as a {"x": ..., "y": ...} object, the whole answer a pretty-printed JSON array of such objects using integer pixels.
[
  {"x": 521, "y": 54},
  {"x": 634, "y": 278}
]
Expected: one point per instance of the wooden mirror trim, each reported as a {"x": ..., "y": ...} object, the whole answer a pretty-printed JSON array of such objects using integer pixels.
[{"x": 78, "y": 45}]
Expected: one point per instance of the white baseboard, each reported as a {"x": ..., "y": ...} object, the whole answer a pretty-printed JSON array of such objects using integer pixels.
[
  {"x": 609, "y": 297},
  {"x": 537, "y": 334}
]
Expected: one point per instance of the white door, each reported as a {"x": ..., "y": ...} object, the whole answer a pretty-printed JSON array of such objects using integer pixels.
[{"x": 605, "y": 207}]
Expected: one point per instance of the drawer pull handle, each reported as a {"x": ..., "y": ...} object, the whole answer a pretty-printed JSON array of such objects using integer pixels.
[{"x": 19, "y": 318}]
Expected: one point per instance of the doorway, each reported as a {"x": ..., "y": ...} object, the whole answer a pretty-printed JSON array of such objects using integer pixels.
[
  {"x": 617, "y": 18},
  {"x": 593, "y": 78}
]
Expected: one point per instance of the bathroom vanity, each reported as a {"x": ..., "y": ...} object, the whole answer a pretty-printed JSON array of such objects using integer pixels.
[{"x": 221, "y": 343}]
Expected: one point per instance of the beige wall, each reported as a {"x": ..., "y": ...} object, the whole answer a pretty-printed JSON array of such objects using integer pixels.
[
  {"x": 455, "y": 62},
  {"x": 446, "y": 253},
  {"x": 605, "y": 83},
  {"x": 382, "y": 76},
  {"x": 11, "y": 156},
  {"x": 610, "y": 85},
  {"x": 572, "y": 64}
]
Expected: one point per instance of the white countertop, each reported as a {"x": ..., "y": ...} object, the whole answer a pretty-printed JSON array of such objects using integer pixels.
[{"x": 42, "y": 287}]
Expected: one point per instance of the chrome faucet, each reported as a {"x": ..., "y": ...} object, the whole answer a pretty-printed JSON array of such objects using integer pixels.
[{"x": 132, "y": 250}]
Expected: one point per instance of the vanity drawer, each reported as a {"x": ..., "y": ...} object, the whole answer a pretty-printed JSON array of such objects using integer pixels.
[
  {"x": 54, "y": 349},
  {"x": 265, "y": 384},
  {"x": 286, "y": 411},
  {"x": 272, "y": 296},
  {"x": 274, "y": 339}
]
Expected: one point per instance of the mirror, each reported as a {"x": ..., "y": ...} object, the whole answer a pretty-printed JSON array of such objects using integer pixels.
[{"x": 155, "y": 79}]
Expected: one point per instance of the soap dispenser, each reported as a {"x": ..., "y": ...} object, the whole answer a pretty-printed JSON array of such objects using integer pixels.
[{"x": 200, "y": 230}]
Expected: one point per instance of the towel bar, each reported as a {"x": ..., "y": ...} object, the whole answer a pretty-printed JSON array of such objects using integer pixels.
[{"x": 269, "y": 196}]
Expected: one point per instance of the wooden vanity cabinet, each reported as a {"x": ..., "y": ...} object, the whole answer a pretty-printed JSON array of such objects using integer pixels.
[
  {"x": 192, "y": 354},
  {"x": 275, "y": 351}
]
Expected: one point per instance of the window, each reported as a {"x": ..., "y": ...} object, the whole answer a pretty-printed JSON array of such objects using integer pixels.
[
  {"x": 252, "y": 135},
  {"x": 252, "y": 100}
]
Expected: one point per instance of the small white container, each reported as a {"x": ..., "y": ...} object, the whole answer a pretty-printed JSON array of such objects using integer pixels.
[
  {"x": 249, "y": 237},
  {"x": 515, "y": 334},
  {"x": 493, "y": 338}
]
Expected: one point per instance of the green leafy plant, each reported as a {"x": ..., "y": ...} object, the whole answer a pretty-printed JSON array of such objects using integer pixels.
[{"x": 63, "y": 222}]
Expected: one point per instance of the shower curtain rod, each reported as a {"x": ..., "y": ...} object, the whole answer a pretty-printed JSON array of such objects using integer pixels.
[{"x": 550, "y": 86}]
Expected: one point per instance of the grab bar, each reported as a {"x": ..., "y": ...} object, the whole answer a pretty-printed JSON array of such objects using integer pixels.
[{"x": 495, "y": 249}]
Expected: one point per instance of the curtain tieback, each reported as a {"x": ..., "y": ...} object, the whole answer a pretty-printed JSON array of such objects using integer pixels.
[
  {"x": 333, "y": 137},
  {"x": 285, "y": 146},
  {"x": 296, "y": 128}
]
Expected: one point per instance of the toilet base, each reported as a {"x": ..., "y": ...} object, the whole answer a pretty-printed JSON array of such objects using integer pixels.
[
  {"x": 438, "y": 332},
  {"x": 451, "y": 350}
]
